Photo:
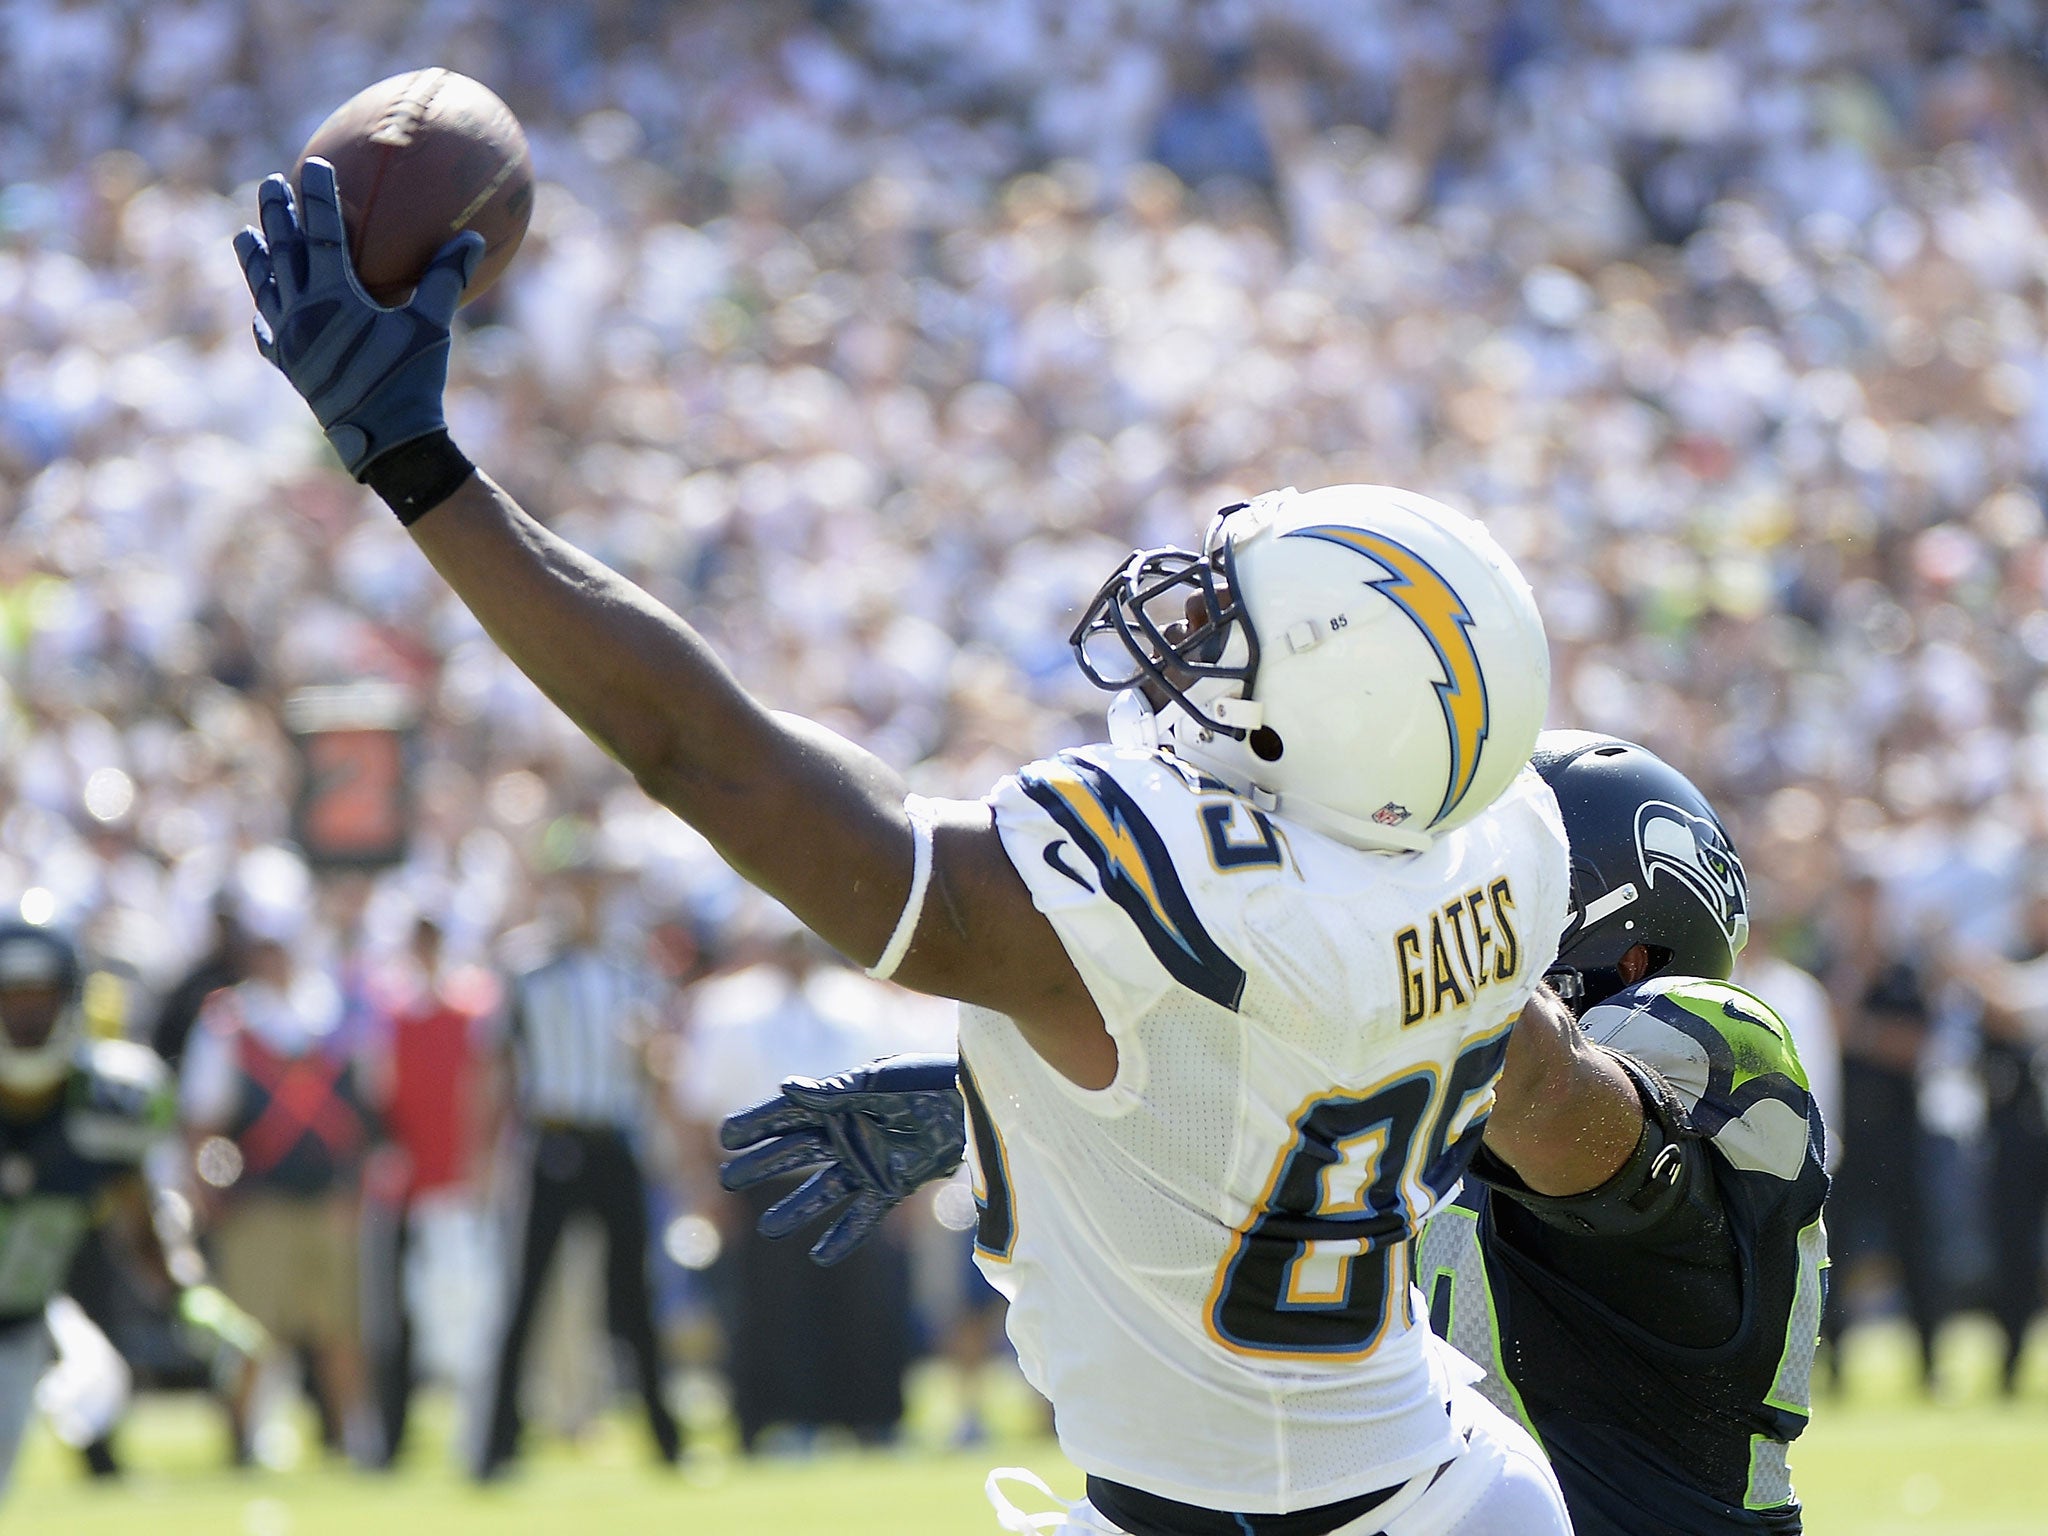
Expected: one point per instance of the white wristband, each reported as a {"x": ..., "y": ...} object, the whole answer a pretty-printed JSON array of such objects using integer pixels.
[{"x": 919, "y": 810}]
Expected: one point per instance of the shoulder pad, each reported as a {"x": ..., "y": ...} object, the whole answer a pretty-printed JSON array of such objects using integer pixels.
[
  {"x": 1729, "y": 1058},
  {"x": 1661, "y": 1103},
  {"x": 1150, "y": 833},
  {"x": 123, "y": 1072},
  {"x": 1141, "y": 768},
  {"x": 121, "y": 1100}
]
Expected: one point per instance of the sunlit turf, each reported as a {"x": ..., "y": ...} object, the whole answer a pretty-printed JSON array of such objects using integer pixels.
[
  {"x": 1884, "y": 1458},
  {"x": 1880, "y": 1460}
]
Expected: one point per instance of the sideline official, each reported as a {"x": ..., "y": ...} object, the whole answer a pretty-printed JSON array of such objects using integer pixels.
[{"x": 576, "y": 1031}]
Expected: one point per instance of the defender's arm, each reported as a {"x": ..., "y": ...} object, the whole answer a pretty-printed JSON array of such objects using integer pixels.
[
  {"x": 1565, "y": 1117},
  {"x": 1599, "y": 1150}
]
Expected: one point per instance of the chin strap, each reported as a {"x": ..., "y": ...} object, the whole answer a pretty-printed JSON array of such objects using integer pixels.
[
  {"x": 1566, "y": 982},
  {"x": 1132, "y": 724},
  {"x": 1583, "y": 989}
]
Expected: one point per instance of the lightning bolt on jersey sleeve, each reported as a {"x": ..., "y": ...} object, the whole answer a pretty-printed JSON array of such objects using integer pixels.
[
  {"x": 1208, "y": 1260},
  {"x": 1102, "y": 839}
]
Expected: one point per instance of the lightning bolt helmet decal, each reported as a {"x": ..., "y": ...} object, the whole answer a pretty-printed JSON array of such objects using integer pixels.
[
  {"x": 1242, "y": 661},
  {"x": 1415, "y": 586}
]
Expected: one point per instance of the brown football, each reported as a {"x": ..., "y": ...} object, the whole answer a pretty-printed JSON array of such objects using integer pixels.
[{"x": 419, "y": 158}]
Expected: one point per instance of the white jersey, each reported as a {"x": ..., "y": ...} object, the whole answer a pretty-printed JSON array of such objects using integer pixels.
[{"x": 1207, "y": 1261}]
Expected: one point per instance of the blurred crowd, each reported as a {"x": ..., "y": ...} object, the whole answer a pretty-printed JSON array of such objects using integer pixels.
[{"x": 871, "y": 333}]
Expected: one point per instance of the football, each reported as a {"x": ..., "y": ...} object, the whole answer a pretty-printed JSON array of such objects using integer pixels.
[{"x": 419, "y": 158}]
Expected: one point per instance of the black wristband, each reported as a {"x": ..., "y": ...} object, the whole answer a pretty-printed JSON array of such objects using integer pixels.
[{"x": 416, "y": 477}]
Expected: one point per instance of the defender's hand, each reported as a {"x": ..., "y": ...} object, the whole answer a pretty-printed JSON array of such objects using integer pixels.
[
  {"x": 373, "y": 376},
  {"x": 874, "y": 1135}
]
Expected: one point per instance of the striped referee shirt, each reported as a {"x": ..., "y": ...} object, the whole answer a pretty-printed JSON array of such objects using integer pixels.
[{"x": 576, "y": 1023}]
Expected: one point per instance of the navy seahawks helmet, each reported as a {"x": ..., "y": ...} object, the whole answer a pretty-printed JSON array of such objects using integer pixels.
[
  {"x": 1651, "y": 865},
  {"x": 41, "y": 980}
]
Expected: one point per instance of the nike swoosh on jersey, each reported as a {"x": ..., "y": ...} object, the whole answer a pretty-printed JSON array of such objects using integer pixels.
[
  {"x": 1055, "y": 856},
  {"x": 1136, "y": 871}
]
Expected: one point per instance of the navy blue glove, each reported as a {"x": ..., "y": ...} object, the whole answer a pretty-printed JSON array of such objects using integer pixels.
[
  {"x": 373, "y": 376},
  {"x": 874, "y": 1134}
]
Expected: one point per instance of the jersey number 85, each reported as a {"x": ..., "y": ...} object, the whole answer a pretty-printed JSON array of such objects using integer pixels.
[{"x": 1320, "y": 1271}]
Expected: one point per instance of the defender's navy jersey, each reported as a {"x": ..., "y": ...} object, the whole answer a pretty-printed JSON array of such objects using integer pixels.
[
  {"x": 1666, "y": 1371},
  {"x": 56, "y": 1168}
]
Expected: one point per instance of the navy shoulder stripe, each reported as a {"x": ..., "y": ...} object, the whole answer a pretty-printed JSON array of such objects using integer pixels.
[{"x": 1136, "y": 871}]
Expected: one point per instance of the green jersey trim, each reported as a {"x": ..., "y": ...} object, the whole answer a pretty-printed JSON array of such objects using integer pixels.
[
  {"x": 1770, "y": 1475},
  {"x": 1456, "y": 1256},
  {"x": 1792, "y": 1387}
]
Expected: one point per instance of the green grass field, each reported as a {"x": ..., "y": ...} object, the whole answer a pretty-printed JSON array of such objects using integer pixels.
[{"x": 1877, "y": 1462}]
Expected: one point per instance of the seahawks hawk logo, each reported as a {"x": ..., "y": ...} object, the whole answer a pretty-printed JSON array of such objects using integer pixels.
[{"x": 1674, "y": 843}]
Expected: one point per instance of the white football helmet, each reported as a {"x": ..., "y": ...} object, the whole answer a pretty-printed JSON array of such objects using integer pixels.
[
  {"x": 41, "y": 1017},
  {"x": 1360, "y": 658}
]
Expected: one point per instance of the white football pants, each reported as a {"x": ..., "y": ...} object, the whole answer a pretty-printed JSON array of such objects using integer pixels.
[
  {"x": 85, "y": 1392},
  {"x": 1499, "y": 1485}
]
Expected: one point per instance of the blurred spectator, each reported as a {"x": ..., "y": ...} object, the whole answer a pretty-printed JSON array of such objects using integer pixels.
[
  {"x": 809, "y": 1348},
  {"x": 2015, "y": 1068},
  {"x": 1878, "y": 1205},
  {"x": 1210, "y": 125},
  {"x": 272, "y": 1107},
  {"x": 578, "y": 1030},
  {"x": 1799, "y": 998},
  {"x": 973, "y": 1342},
  {"x": 223, "y": 964},
  {"x": 426, "y": 1250}
]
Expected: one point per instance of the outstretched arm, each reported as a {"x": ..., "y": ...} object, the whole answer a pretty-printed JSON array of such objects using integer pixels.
[
  {"x": 805, "y": 814},
  {"x": 808, "y": 816},
  {"x": 813, "y": 819}
]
